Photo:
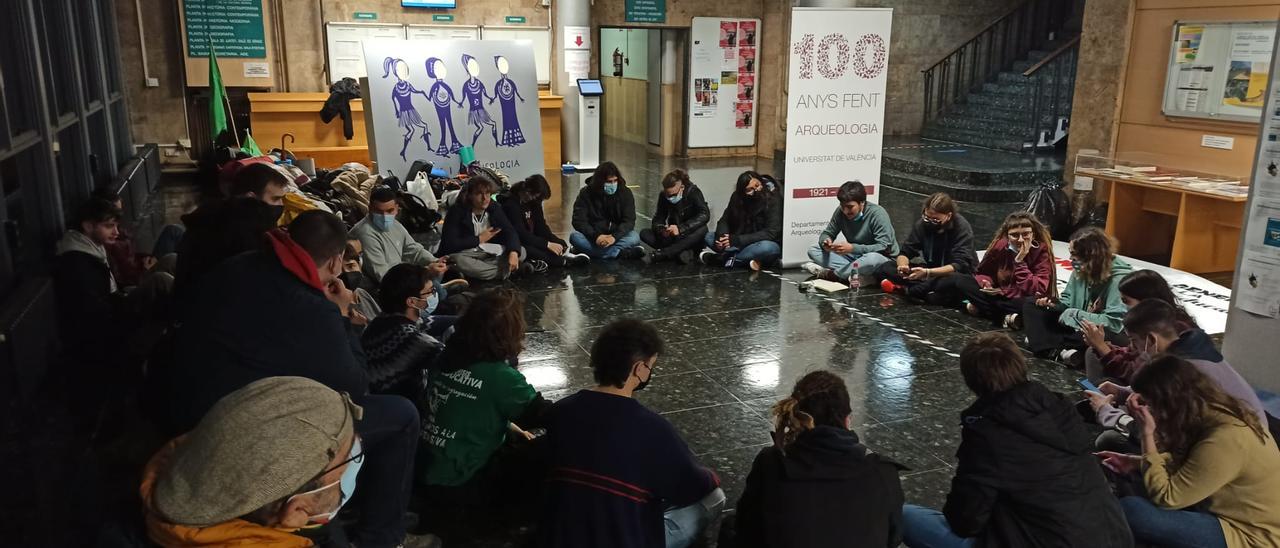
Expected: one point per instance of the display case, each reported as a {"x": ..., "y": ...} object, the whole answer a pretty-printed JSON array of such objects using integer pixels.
[
  {"x": 1160, "y": 211},
  {"x": 1160, "y": 171}
]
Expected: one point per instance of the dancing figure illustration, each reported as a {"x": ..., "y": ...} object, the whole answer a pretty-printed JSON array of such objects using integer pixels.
[
  {"x": 505, "y": 90},
  {"x": 402, "y": 98},
  {"x": 442, "y": 97},
  {"x": 474, "y": 94}
]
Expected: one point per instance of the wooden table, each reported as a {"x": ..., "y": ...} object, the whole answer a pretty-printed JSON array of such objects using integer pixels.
[
  {"x": 274, "y": 114},
  {"x": 1204, "y": 228}
]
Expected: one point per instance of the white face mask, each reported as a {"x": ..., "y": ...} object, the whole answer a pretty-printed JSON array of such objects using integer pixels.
[{"x": 347, "y": 483}]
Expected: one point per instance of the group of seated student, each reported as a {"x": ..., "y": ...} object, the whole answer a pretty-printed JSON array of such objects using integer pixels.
[{"x": 278, "y": 406}]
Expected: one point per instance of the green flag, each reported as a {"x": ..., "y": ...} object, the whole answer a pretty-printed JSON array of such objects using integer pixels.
[
  {"x": 250, "y": 146},
  {"x": 217, "y": 97}
]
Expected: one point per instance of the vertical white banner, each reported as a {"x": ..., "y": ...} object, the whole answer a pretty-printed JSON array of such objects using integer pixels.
[{"x": 835, "y": 115}]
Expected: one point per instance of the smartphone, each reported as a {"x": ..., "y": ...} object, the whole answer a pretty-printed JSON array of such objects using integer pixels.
[
  {"x": 1088, "y": 385},
  {"x": 990, "y": 290}
]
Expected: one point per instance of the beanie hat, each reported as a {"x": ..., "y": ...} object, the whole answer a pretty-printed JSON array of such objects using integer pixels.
[{"x": 255, "y": 446}]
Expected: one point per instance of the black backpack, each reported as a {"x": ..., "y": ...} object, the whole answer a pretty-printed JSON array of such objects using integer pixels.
[{"x": 416, "y": 217}]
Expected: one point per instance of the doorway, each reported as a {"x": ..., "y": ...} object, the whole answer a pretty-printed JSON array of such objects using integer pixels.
[{"x": 639, "y": 69}]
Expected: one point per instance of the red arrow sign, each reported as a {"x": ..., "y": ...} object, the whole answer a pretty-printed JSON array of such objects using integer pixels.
[{"x": 577, "y": 41}]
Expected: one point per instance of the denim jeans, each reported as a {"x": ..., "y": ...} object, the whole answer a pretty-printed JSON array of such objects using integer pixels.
[
  {"x": 844, "y": 265},
  {"x": 765, "y": 251},
  {"x": 630, "y": 239},
  {"x": 686, "y": 523},
  {"x": 1172, "y": 528},
  {"x": 928, "y": 528},
  {"x": 389, "y": 434}
]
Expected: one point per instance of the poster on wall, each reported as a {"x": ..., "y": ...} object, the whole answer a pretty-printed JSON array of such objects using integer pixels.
[
  {"x": 835, "y": 113},
  {"x": 1219, "y": 70},
  {"x": 426, "y": 99},
  {"x": 722, "y": 94}
]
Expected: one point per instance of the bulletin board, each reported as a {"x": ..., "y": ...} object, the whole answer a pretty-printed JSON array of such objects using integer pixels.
[
  {"x": 252, "y": 70},
  {"x": 344, "y": 45},
  {"x": 539, "y": 38},
  {"x": 1219, "y": 70},
  {"x": 723, "y": 82}
]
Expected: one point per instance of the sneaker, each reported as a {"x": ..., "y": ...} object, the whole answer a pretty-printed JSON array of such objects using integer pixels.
[
  {"x": 687, "y": 256},
  {"x": 1013, "y": 321},
  {"x": 814, "y": 269},
  {"x": 755, "y": 265},
  {"x": 576, "y": 259},
  {"x": 650, "y": 257},
  {"x": 709, "y": 258},
  {"x": 537, "y": 266},
  {"x": 456, "y": 285},
  {"x": 972, "y": 310},
  {"x": 631, "y": 253},
  {"x": 1066, "y": 355}
]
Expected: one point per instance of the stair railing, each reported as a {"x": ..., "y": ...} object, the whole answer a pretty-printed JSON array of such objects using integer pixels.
[
  {"x": 1053, "y": 84},
  {"x": 992, "y": 50}
]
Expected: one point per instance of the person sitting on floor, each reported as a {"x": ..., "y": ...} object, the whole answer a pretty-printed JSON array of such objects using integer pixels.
[
  {"x": 818, "y": 486},
  {"x": 219, "y": 230},
  {"x": 522, "y": 205},
  {"x": 1026, "y": 474},
  {"x": 479, "y": 238},
  {"x": 405, "y": 340},
  {"x": 869, "y": 240},
  {"x": 265, "y": 465},
  {"x": 749, "y": 232},
  {"x": 604, "y": 217},
  {"x": 386, "y": 243},
  {"x": 941, "y": 245},
  {"x": 1108, "y": 361},
  {"x": 128, "y": 265},
  {"x": 478, "y": 407},
  {"x": 1092, "y": 294},
  {"x": 1018, "y": 266},
  {"x": 620, "y": 475},
  {"x": 1154, "y": 327},
  {"x": 282, "y": 312},
  {"x": 1200, "y": 447},
  {"x": 679, "y": 220},
  {"x": 365, "y": 306}
]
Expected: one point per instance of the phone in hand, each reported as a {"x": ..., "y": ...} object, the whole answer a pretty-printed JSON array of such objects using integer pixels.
[
  {"x": 1088, "y": 385},
  {"x": 990, "y": 290}
]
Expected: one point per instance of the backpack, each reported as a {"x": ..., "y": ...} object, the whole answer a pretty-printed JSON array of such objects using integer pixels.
[{"x": 416, "y": 217}]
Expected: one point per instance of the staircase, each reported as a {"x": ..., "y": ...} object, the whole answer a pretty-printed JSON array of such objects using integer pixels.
[
  {"x": 1009, "y": 87},
  {"x": 1004, "y": 114}
]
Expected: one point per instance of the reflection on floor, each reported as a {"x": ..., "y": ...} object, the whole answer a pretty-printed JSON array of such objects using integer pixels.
[{"x": 738, "y": 341}]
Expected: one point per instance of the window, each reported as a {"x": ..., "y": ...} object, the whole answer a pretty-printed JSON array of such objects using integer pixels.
[
  {"x": 90, "y": 47},
  {"x": 16, "y": 66},
  {"x": 59, "y": 61}
]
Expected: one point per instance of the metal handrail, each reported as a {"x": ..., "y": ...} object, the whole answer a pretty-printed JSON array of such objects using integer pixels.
[
  {"x": 990, "y": 51},
  {"x": 1052, "y": 56}
]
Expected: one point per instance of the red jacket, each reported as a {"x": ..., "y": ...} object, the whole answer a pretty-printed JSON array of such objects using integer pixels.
[{"x": 1033, "y": 277}]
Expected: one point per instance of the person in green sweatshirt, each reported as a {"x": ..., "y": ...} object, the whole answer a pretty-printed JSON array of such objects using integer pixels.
[
  {"x": 474, "y": 443},
  {"x": 1092, "y": 296},
  {"x": 869, "y": 240}
]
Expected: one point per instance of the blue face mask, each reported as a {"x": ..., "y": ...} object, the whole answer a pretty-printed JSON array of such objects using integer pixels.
[
  {"x": 347, "y": 484},
  {"x": 1012, "y": 247},
  {"x": 861, "y": 214},
  {"x": 675, "y": 199},
  {"x": 382, "y": 222},
  {"x": 768, "y": 185},
  {"x": 433, "y": 301},
  {"x": 610, "y": 188},
  {"x": 1075, "y": 265}
]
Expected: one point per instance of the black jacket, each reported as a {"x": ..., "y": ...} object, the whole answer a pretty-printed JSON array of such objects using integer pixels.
[
  {"x": 258, "y": 319},
  {"x": 1027, "y": 476},
  {"x": 529, "y": 221},
  {"x": 828, "y": 490},
  {"x": 339, "y": 104},
  {"x": 596, "y": 213},
  {"x": 953, "y": 246},
  {"x": 90, "y": 319},
  {"x": 459, "y": 234},
  {"x": 763, "y": 221},
  {"x": 690, "y": 214},
  {"x": 215, "y": 232}
]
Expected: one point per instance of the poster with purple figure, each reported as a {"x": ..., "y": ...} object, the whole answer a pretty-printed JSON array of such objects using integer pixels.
[{"x": 455, "y": 80}]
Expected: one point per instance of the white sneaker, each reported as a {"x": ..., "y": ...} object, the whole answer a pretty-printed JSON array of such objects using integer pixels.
[
  {"x": 814, "y": 269},
  {"x": 577, "y": 259},
  {"x": 1065, "y": 355}
]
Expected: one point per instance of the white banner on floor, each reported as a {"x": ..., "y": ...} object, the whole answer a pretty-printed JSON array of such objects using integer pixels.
[
  {"x": 1206, "y": 301},
  {"x": 835, "y": 115}
]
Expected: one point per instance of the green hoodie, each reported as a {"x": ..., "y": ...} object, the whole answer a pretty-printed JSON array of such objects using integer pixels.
[{"x": 1077, "y": 300}]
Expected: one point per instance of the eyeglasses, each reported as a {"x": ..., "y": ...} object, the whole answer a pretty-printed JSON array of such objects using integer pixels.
[
  {"x": 356, "y": 458},
  {"x": 1021, "y": 235},
  {"x": 930, "y": 220}
]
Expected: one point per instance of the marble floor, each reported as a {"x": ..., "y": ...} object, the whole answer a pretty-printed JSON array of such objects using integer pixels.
[{"x": 738, "y": 341}]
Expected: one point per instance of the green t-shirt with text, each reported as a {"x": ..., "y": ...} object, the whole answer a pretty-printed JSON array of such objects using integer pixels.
[{"x": 467, "y": 415}]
